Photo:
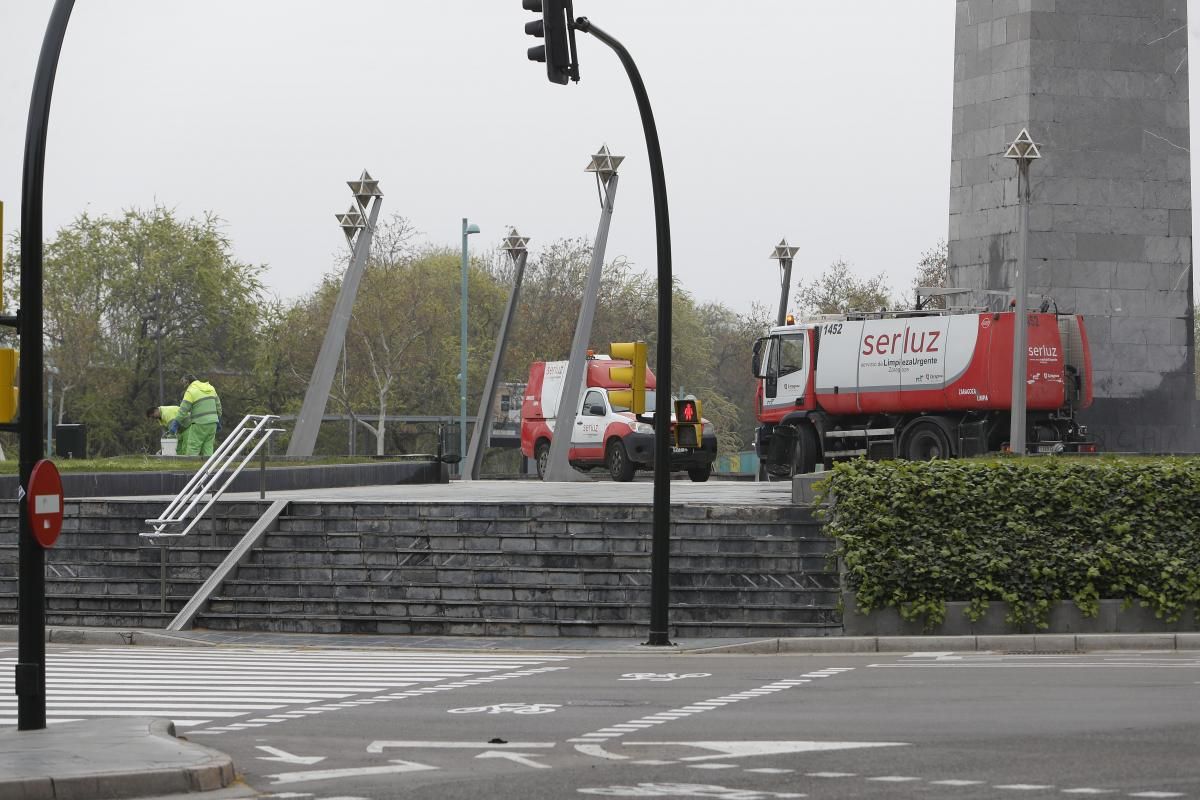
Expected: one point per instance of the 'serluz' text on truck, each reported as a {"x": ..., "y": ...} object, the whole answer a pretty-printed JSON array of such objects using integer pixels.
[{"x": 915, "y": 385}]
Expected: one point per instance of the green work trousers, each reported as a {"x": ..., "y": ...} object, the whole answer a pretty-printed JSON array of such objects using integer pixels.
[{"x": 198, "y": 439}]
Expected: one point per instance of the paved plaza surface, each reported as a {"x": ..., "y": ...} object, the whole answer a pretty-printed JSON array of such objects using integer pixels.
[{"x": 599, "y": 491}]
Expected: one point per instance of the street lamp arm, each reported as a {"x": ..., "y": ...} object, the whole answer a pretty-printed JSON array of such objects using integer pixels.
[{"x": 660, "y": 551}]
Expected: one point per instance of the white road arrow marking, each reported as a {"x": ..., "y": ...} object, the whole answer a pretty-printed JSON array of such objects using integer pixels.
[
  {"x": 286, "y": 757},
  {"x": 597, "y": 751},
  {"x": 354, "y": 772},
  {"x": 380, "y": 745},
  {"x": 520, "y": 758},
  {"x": 737, "y": 749}
]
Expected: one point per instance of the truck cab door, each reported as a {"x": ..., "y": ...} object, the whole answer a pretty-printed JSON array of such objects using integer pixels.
[
  {"x": 785, "y": 367},
  {"x": 587, "y": 440}
]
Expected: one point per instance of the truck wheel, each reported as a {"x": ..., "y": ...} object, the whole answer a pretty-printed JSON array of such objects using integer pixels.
[
  {"x": 700, "y": 474},
  {"x": 926, "y": 441},
  {"x": 619, "y": 465},
  {"x": 541, "y": 455},
  {"x": 804, "y": 454}
]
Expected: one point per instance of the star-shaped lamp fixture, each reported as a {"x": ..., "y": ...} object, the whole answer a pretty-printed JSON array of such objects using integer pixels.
[
  {"x": 604, "y": 163},
  {"x": 783, "y": 252},
  {"x": 514, "y": 244},
  {"x": 351, "y": 222},
  {"x": 364, "y": 189},
  {"x": 1023, "y": 148}
]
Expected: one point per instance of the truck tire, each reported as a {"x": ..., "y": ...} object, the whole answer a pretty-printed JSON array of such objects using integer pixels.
[
  {"x": 617, "y": 459},
  {"x": 541, "y": 455},
  {"x": 925, "y": 441},
  {"x": 700, "y": 474},
  {"x": 804, "y": 454}
]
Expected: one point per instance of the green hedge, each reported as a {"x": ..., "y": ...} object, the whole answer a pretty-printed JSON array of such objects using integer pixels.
[{"x": 1029, "y": 531}]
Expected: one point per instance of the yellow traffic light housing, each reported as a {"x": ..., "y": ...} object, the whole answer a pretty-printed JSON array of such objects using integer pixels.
[
  {"x": 8, "y": 392},
  {"x": 689, "y": 430},
  {"x": 633, "y": 376}
]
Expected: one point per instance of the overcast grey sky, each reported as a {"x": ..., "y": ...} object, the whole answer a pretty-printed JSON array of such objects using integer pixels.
[{"x": 824, "y": 122}]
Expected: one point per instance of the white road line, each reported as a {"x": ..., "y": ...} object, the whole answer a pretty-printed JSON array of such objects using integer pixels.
[
  {"x": 712, "y": 766},
  {"x": 893, "y": 778},
  {"x": 1088, "y": 790},
  {"x": 354, "y": 772},
  {"x": 1023, "y": 787},
  {"x": 955, "y": 782},
  {"x": 701, "y": 707},
  {"x": 1157, "y": 794},
  {"x": 831, "y": 774}
]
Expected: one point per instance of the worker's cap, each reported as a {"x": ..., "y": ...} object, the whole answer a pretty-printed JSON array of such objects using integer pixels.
[{"x": 189, "y": 377}]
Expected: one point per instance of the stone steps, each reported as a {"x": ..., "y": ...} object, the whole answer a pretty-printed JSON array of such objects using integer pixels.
[{"x": 493, "y": 569}]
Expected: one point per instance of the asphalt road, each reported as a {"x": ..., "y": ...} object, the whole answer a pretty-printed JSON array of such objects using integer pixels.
[{"x": 742, "y": 727}]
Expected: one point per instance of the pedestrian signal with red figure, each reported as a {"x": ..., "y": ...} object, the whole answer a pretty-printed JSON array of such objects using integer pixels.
[{"x": 689, "y": 429}]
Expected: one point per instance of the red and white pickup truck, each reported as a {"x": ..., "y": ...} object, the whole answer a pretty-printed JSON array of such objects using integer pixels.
[{"x": 604, "y": 434}]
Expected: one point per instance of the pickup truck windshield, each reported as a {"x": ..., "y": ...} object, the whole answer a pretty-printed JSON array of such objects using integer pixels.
[{"x": 649, "y": 403}]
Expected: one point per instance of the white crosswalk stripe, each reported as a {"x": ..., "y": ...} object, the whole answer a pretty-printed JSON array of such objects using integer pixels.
[{"x": 231, "y": 688}]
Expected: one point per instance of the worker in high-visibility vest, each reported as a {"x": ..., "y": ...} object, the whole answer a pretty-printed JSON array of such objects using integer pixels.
[
  {"x": 199, "y": 415},
  {"x": 165, "y": 416}
]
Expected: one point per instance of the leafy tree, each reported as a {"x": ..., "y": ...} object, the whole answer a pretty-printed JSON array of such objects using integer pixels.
[
  {"x": 124, "y": 293},
  {"x": 837, "y": 290},
  {"x": 933, "y": 270},
  {"x": 733, "y": 337}
]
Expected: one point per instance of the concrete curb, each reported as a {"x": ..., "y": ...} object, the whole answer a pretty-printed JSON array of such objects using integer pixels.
[
  {"x": 8, "y": 633},
  {"x": 1032, "y": 643},
  {"x": 74, "y": 761},
  {"x": 841, "y": 645}
]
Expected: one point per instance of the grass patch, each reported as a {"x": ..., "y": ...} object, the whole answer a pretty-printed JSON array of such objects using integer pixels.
[{"x": 143, "y": 463}]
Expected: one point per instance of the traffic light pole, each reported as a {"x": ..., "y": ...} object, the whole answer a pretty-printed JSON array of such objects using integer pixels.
[
  {"x": 660, "y": 554},
  {"x": 31, "y": 619}
]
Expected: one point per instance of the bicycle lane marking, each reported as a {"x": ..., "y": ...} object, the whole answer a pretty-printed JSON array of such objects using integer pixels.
[{"x": 591, "y": 744}]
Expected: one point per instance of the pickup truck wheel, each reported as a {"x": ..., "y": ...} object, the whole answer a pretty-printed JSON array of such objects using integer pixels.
[
  {"x": 619, "y": 465},
  {"x": 700, "y": 474},
  {"x": 541, "y": 454},
  {"x": 804, "y": 455},
  {"x": 926, "y": 441}
]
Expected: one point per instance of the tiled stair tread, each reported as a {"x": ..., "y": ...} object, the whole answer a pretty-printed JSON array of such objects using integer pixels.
[
  {"x": 500, "y": 569},
  {"x": 758, "y": 598},
  {"x": 210, "y": 616},
  {"x": 548, "y": 628},
  {"x": 224, "y": 601}
]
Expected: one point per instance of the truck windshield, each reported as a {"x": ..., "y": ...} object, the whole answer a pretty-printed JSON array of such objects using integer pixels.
[
  {"x": 788, "y": 354},
  {"x": 649, "y": 403}
]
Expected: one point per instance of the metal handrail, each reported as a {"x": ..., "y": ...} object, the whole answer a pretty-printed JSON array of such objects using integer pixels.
[{"x": 251, "y": 432}]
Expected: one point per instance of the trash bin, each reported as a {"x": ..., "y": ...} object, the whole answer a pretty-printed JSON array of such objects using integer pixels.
[
  {"x": 448, "y": 449},
  {"x": 70, "y": 440}
]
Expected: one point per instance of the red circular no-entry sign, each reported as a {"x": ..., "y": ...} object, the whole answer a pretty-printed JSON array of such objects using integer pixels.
[{"x": 45, "y": 502}]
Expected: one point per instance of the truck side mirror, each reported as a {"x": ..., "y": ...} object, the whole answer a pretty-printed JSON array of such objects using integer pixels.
[{"x": 756, "y": 363}]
